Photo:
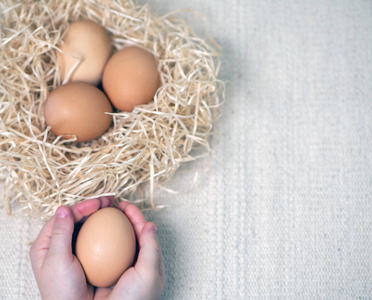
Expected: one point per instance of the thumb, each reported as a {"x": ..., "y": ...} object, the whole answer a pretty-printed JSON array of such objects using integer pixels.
[
  {"x": 150, "y": 256},
  {"x": 63, "y": 227}
]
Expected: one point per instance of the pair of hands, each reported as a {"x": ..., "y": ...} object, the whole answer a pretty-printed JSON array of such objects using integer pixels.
[{"x": 59, "y": 274}]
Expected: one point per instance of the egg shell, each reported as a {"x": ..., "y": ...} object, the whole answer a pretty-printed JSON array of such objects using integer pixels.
[
  {"x": 89, "y": 42},
  {"x": 131, "y": 78},
  {"x": 78, "y": 108},
  {"x": 106, "y": 246}
]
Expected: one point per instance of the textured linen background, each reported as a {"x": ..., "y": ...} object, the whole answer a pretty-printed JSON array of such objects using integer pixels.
[{"x": 282, "y": 208}]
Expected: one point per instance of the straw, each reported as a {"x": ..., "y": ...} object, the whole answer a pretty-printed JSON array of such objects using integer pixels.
[{"x": 42, "y": 170}]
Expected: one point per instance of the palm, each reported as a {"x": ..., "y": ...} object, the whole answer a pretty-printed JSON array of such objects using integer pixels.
[
  {"x": 78, "y": 282},
  {"x": 130, "y": 283}
]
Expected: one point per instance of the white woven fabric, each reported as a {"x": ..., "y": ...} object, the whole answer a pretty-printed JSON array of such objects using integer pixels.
[{"x": 284, "y": 208}]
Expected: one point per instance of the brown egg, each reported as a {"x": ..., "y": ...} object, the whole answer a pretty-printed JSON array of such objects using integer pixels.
[
  {"x": 131, "y": 78},
  {"x": 106, "y": 246},
  {"x": 78, "y": 108},
  {"x": 89, "y": 42}
]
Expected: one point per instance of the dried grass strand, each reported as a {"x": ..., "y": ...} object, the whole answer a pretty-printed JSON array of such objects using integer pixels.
[{"x": 42, "y": 171}]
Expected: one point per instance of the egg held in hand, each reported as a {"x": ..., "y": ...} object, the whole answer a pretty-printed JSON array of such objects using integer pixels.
[
  {"x": 79, "y": 109},
  {"x": 106, "y": 246},
  {"x": 131, "y": 78}
]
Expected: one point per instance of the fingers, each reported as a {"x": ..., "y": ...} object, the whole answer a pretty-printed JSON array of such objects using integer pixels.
[
  {"x": 63, "y": 224},
  {"x": 85, "y": 208},
  {"x": 106, "y": 201},
  {"x": 60, "y": 241},
  {"x": 150, "y": 256},
  {"x": 161, "y": 266},
  {"x": 134, "y": 215},
  {"x": 79, "y": 212},
  {"x": 147, "y": 278},
  {"x": 40, "y": 247}
]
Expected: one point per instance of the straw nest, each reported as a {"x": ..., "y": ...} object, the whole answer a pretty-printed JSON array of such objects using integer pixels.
[{"x": 42, "y": 171}]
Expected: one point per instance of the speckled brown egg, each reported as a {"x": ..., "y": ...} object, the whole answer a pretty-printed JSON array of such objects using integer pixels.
[
  {"x": 106, "y": 246},
  {"x": 131, "y": 78},
  {"x": 88, "y": 42},
  {"x": 79, "y": 109}
]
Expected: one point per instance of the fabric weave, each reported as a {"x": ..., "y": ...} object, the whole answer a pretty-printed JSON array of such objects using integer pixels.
[{"x": 282, "y": 207}]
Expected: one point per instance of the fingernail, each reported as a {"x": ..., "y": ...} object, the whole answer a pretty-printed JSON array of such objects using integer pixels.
[
  {"x": 112, "y": 200},
  {"x": 104, "y": 201},
  {"x": 153, "y": 227},
  {"x": 62, "y": 212}
]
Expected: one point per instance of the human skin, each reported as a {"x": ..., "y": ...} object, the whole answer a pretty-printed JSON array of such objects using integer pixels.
[{"x": 59, "y": 274}]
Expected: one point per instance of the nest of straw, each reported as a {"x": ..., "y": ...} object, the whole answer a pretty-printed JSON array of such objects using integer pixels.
[{"x": 42, "y": 171}]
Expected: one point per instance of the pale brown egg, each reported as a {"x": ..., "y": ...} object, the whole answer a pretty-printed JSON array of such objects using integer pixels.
[
  {"x": 131, "y": 78},
  {"x": 88, "y": 42},
  {"x": 106, "y": 246},
  {"x": 78, "y": 108}
]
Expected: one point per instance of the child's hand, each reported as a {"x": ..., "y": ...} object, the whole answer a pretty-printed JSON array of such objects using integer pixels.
[
  {"x": 60, "y": 276},
  {"x": 58, "y": 272},
  {"x": 146, "y": 280}
]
